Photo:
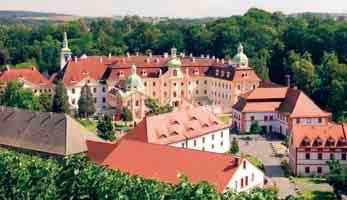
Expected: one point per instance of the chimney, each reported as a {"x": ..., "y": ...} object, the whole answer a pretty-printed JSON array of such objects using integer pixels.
[
  {"x": 193, "y": 60},
  {"x": 202, "y": 56},
  {"x": 222, "y": 61},
  {"x": 287, "y": 77},
  {"x": 7, "y": 68},
  {"x": 208, "y": 56},
  {"x": 137, "y": 53},
  {"x": 213, "y": 57},
  {"x": 191, "y": 55},
  {"x": 237, "y": 161},
  {"x": 109, "y": 56},
  {"x": 75, "y": 59},
  {"x": 101, "y": 59},
  {"x": 128, "y": 54},
  {"x": 150, "y": 54},
  {"x": 166, "y": 54}
]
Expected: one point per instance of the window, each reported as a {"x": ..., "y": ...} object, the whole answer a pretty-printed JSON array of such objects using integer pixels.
[
  {"x": 175, "y": 72},
  {"x": 104, "y": 100},
  {"x": 165, "y": 94},
  {"x": 205, "y": 82},
  {"x": 197, "y": 91},
  {"x": 197, "y": 82},
  {"x": 241, "y": 182},
  {"x": 72, "y": 91},
  {"x": 298, "y": 121},
  {"x": 212, "y": 137},
  {"x": 203, "y": 149},
  {"x": 343, "y": 156},
  {"x": 95, "y": 100},
  {"x": 307, "y": 170},
  {"x": 319, "y": 170},
  {"x": 154, "y": 83},
  {"x": 307, "y": 156},
  {"x": 246, "y": 180},
  {"x": 244, "y": 165},
  {"x": 182, "y": 93},
  {"x": 265, "y": 118},
  {"x": 320, "y": 156},
  {"x": 271, "y": 118},
  {"x": 174, "y": 94},
  {"x": 239, "y": 87},
  {"x": 174, "y": 84},
  {"x": 183, "y": 145},
  {"x": 136, "y": 103},
  {"x": 332, "y": 156},
  {"x": 252, "y": 118},
  {"x": 194, "y": 143},
  {"x": 203, "y": 140},
  {"x": 221, "y": 134},
  {"x": 145, "y": 83},
  {"x": 73, "y": 101},
  {"x": 252, "y": 177},
  {"x": 205, "y": 92},
  {"x": 165, "y": 84},
  {"x": 94, "y": 90},
  {"x": 103, "y": 89},
  {"x": 212, "y": 146},
  {"x": 154, "y": 94},
  {"x": 221, "y": 143},
  {"x": 182, "y": 84}
]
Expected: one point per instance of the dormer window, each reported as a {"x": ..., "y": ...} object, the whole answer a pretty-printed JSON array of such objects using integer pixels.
[
  {"x": 174, "y": 72},
  {"x": 162, "y": 136},
  {"x": 173, "y": 133},
  {"x": 305, "y": 142},
  {"x": 318, "y": 142},
  {"x": 330, "y": 142},
  {"x": 193, "y": 118},
  {"x": 190, "y": 129},
  {"x": 342, "y": 142}
]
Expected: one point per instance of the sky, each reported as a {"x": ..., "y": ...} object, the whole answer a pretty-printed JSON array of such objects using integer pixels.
[{"x": 171, "y": 8}]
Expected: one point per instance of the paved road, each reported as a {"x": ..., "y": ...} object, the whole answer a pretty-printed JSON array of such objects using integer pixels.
[{"x": 261, "y": 148}]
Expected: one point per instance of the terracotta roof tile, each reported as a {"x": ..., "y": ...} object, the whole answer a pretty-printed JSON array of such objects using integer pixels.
[
  {"x": 31, "y": 75},
  {"x": 164, "y": 163},
  {"x": 176, "y": 126}
]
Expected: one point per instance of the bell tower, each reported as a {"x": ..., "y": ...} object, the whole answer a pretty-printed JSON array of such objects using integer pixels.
[{"x": 65, "y": 52}]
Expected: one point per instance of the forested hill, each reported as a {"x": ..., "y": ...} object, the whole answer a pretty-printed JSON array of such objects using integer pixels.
[
  {"x": 313, "y": 51},
  {"x": 32, "y": 18}
]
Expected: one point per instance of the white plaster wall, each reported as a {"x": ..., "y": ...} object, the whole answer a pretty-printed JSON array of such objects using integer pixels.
[
  {"x": 220, "y": 143},
  {"x": 250, "y": 171}
]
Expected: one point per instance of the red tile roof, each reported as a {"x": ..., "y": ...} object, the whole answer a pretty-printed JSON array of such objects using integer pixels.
[
  {"x": 176, "y": 126},
  {"x": 164, "y": 163},
  {"x": 291, "y": 101},
  {"x": 29, "y": 74},
  {"x": 118, "y": 67},
  {"x": 318, "y": 136}
]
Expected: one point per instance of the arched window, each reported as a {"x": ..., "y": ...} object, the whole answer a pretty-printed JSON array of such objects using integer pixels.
[{"x": 175, "y": 72}]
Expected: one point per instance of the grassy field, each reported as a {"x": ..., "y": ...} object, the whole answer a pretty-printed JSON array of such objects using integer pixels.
[
  {"x": 89, "y": 124},
  {"x": 255, "y": 161},
  {"x": 308, "y": 180},
  {"x": 318, "y": 195}
]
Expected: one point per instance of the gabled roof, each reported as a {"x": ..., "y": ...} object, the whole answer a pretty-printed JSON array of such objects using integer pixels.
[
  {"x": 164, "y": 163},
  {"x": 29, "y": 74},
  {"x": 51, "y": 133},
  {"x": 312, "y": 133},
  {"x": 176, "y": 126},
  {"x": 290, "y": 101}
]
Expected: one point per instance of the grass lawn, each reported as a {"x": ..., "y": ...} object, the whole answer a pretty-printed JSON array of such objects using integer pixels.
[
  {"x": 255, "y": 161},
  {"x": 318, "y": 195},
  {"x": 89, "y": 124},
  {"x": 305, "y": 180}
]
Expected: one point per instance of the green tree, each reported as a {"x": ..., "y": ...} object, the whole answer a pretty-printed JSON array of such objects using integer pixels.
[
  {"x": 234, "y": 148},
  {"x": 126, "y": 115},
  {"x": 105, "y": 128},
  {"x": 17, "y": 96},
  {"x": 86, "y": 106},
  {"x": 255, "y": 128},
  {"x": 60, "y": 99},
  {"x": 45, "y": 100}
]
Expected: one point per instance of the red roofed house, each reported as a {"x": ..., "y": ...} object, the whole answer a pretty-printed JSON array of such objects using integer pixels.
[
  {"x": 312, "y": 146},
  {"x": 194, "y": 128},
  {"x": 277, "y": 109},
  {"x": 165, "y": 163},
  {"x": 170, "y": 79},
  {"x": 30, "y": 77}
]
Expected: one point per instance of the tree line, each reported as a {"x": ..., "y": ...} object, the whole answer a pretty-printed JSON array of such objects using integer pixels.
[
  {"x": 312, "y": 50},
  {"x": 25, "y": 176}
]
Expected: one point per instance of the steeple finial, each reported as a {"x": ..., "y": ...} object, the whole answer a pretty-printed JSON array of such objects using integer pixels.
[
  {"x": 65, "y": 42},
  {"x": 240, "y": 48},
  {"x": 133, "y": 69}
]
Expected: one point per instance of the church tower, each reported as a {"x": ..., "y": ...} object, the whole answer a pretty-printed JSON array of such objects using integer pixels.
[{"x": 65, "y": 52}]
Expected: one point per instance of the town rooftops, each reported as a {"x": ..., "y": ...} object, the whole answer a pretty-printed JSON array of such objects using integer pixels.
[
  {"x": 50, "y": 133},
  {"x": 290, "y": 101},
  {"x": 329, "y": 136},
  {"x": 30, "y": 75},
  {"x": 176, "y": 126},
  {"x": 164, "y": 163}
]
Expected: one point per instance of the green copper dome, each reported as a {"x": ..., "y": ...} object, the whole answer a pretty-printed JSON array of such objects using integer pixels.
[
  {"x": 174, "y": 62},
  {"x": 240, "y": 57},
  {"x": 134, "y": 82}
]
